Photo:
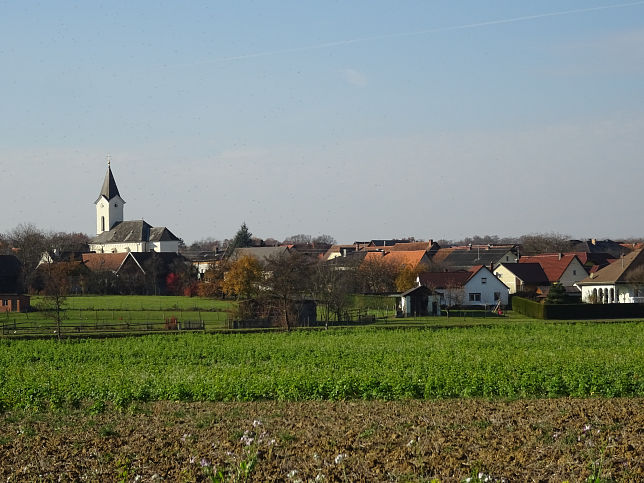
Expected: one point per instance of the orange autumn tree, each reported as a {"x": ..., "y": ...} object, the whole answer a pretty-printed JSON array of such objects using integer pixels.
[
  {"x": 243, "y": 278},
  {"x": 407, "y": 276}
]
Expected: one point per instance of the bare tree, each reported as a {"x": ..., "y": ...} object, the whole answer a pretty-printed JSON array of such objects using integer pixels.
[
  {"x": 206, "y": 244},
  {"x": 28, "y": 244},
  {"x": 288, "y": 280},
  {"x": 378, "y": 276},
  {"x": 545, "y": 243},
  {"x": 324, "y": 240},
  {"x": 332, "y": 286},
  {"x": 297, "y": 239},
  {"x": 55, "y": 293}
]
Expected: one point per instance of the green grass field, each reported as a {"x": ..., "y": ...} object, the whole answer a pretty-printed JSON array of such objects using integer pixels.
[
  {"x": 142, "y": 302},
  {"x": 507, "y": 361},
  {"x": 87, "y": 314}
]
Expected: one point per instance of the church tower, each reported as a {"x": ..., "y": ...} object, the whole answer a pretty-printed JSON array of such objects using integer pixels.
[{"x": 109, "y": 205}]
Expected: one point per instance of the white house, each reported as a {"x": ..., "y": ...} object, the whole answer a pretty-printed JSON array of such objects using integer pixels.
[
  {"x": 113, "y": 235},
  {"x": 477, "y": 287},
  {"x": 620, "y": 282}
]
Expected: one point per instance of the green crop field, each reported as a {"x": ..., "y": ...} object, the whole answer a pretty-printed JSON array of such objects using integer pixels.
[{"x": 527, "y": 360}]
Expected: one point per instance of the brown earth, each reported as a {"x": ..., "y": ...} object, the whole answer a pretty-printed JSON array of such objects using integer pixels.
[{"x": 524, "y": 440}]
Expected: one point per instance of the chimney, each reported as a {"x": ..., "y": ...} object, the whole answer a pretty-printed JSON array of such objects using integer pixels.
[
  {"x": 560, "y": 255},
  {"x": 593, "y": 241}
]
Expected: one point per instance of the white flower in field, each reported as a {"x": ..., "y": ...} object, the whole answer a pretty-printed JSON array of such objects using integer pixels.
[
  {"x": 193, "y": 459},
  {"x": 340, "y": 458},
  {"x": 247, "y": 438},
  {"x": 185, "y": 437},
  {"x": 320, "y": 477},
  {"x": 586, "y": 428},
  {"x": 291, "y": 474},
  {"x": 271, "y": 442},
  {"x": 411, "y": 443},
  {"x": 205, "y": 463},
  {"x": 256, "y": 423}
]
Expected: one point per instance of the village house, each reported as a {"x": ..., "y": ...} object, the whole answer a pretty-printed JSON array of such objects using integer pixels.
[
  {"x": 523, "y": 277},
  {"x": 475, "y": 287},
  {"x": 564, "y": 269},
  {"x": 620, "y": 282}
]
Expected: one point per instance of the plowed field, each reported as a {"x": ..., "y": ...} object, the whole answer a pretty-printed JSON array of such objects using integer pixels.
[{"x": 448, "y": 440}]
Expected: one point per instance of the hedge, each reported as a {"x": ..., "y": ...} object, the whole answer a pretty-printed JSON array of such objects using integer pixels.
[{"x": 576, "y": 311}]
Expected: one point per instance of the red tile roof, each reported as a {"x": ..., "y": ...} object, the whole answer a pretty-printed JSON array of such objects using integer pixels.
[
  {"x": 553, "y": 264},
  {"x": 445, "y": 279},
  {"x": 98, "y": 262},
  {"x": 410, "y": 258}
]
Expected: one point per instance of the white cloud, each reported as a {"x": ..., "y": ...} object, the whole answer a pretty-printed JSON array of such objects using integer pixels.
[{"x": 354, "y": 77}]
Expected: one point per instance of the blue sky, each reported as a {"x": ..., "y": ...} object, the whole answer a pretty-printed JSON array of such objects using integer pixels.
[{"x": 363, "y": 119}]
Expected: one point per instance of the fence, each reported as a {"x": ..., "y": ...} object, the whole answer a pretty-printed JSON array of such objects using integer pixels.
[{"x": 28, "y": 329}]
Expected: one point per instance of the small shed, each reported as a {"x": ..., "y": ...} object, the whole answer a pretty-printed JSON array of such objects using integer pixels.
[
  {"x": 14, "y": 303},
  {"x": 419, "y": 301}
]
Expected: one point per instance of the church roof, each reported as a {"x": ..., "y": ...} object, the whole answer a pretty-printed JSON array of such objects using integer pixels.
[
  {"x": 109, "y": 189},
  {"x": 134, "y": 232}
]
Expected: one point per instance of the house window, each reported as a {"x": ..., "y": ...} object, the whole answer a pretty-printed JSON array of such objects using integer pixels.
[
  {"x": 497, "y": 296},
  {"x": 484, "y": 280},
  {"x": 475, "y": 297},
  {"x": 574, "y": 272},
  {"x": 5, "y": 302},
  {"x": 102, "y": 223}
]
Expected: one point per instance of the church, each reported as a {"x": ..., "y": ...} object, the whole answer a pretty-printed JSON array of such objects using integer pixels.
[{"x": 113, "y": 235}]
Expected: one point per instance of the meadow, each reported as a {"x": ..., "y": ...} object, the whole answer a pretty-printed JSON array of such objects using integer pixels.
[
  {"x": 118, "y": 313},
  {"x": 527, "y": 360}
]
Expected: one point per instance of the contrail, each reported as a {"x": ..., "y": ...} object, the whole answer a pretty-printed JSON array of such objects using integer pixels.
[{"x": 337, "y": 43}]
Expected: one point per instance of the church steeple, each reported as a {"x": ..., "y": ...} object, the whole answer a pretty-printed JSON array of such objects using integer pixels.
[
  {"x": 109, "y": 205},
  {"x": 109, "y": 189}
]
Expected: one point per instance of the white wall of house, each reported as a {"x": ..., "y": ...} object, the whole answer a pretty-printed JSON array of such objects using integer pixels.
[
  {"x": 165, "y": 246},
  {"x": 485, "y": 289},
  {"x": 507, "y": 277},
  {"x": 613, "y": 293},
  {"x": 574, "y": 272},
  {"x": 509, "y": 257},
  {"x": 118, "y": 247}
]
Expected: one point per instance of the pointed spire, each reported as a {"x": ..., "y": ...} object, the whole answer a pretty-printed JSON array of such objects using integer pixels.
[{"x": 109, "y": 189}]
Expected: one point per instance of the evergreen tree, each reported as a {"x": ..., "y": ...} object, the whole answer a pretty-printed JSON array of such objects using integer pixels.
[
  {"x": 243, "y": 238},
  {"x": 556, "y": 294}
]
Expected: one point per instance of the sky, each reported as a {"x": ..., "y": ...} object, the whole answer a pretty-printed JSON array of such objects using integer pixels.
[{"x": 361, "y": 120}]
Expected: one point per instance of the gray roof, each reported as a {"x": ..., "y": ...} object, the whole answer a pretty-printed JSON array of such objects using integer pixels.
[
  {"x": 134, "y": 232},
  {"x": 529, "y": 273},
  {"x": 623, "y": 270},
  {"x": 260, "y": 253},
  {"x": 465, "y": 259},
  {"x": 109, "y": 189}
]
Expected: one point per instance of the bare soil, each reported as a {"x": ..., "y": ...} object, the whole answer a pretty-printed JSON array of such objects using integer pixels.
[{"x": 448, "y": 440}]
